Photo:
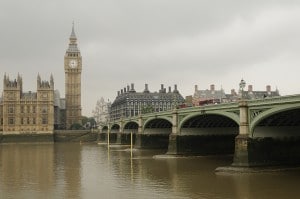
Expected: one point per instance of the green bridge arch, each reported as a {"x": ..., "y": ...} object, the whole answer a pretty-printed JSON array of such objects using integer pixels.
[
  {"x": 270, "y": 112},
  {"x": 229, "y": 115},
  {"x": 169, "y": 119}
]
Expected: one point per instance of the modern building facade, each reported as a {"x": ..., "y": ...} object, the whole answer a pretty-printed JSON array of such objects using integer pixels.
[{"x": 129, "y": 103}]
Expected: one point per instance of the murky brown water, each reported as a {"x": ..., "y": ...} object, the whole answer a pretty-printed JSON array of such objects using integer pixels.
[{"x": 91, "y": 171}]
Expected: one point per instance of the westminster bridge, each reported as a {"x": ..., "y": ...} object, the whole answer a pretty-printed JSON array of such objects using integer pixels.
[{"x": 258, "y": 132}]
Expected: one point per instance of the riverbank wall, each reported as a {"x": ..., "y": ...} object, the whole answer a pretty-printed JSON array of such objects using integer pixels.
[
  {"x": 55, "y": 136},
  {"x": 75, "y": 136},
  {"x": 26, "y": 137}
]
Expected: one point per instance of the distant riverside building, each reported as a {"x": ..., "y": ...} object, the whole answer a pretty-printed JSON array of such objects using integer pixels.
[
  {"x": 129, "y": 103},
  {"x": 28, "y": 112},
  {"x": 212, "y": 96},
  {"x": 252, "y": 94}
]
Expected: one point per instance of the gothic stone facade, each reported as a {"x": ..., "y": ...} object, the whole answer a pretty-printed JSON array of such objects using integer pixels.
[
  {"x": 42, "y": 111},
  {"x": 27, "y": 112},
  {"x": 73, "y": 67}
]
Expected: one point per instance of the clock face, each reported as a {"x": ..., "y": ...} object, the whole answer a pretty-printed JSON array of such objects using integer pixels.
[{"x": 73, "y": 63}]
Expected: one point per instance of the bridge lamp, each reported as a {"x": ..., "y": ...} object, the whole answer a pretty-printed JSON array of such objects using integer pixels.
[{"x": 242, "y": 86}]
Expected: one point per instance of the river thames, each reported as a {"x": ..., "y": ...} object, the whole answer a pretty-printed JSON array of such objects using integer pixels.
[{"x": 73, "y": 170}]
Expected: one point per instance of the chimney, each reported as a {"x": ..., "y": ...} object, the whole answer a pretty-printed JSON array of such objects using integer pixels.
[
  {"x": 170, "y": 90},
  {"x": 175, "y": 89},
  {"x": 161, "y": 88},
  {"x": 196, "y": 88},
  {"x": 233, "y": 92},
  {"x": 268, "y": 88},
  {"x": 146, "y": 89},
  {"x": 118, "y": 93},
  {"x": 132, "y": 88},
  {"x": 212, "y": 87},
  {"x": 128, "y": 88},
  {"x": 124, "y": 89},
  {"x": 121, "y": 91},
  {"x": 250, "y": 88}
]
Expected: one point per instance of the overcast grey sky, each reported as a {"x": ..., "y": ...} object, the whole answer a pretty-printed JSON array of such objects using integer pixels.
[{"x": 183, "y": 42}]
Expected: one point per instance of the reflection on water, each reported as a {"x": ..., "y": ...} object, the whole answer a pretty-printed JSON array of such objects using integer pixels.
[{"x": 92, "y": 171}]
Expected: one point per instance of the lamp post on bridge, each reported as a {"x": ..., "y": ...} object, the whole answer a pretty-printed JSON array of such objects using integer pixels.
[
  {"x": 242, "y": 86},
  {"x": 244, "y": 125}
]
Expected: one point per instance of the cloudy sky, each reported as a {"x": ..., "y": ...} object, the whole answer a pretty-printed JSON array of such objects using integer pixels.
[{"x": 183, "y": 42}]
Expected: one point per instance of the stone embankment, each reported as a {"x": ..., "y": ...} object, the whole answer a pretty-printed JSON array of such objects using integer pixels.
[{"x": 56, "y": 136}]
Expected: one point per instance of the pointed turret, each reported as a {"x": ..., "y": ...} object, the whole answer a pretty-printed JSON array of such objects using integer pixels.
[
  {"x": 73, "y": 67},
  {"x": 4, "y": 81},
  {"x": 38, "y": 80},
  {"x": 51, "y": 81},
  {"x": 73, "y": 35},
  {"x": 73, "y": 42},
  {"x": 20, "y": 82}
]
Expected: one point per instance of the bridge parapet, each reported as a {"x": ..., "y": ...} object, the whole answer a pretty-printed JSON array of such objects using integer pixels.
[
  {"x": 274, "y": 100},
  {"x": 223, "y": 106}
]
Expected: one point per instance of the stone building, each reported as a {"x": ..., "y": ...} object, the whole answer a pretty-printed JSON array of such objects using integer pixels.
[
  {"x": 254, "y": 94},
  {"x": 129, "y": 103},
  {"x": 73, "y": 68},
  {"x": 213, "y": 96},
  {"x": 27, "y": 112},
  {"x": 44, "y": 110},
  {"x": 208, "y": 96}
]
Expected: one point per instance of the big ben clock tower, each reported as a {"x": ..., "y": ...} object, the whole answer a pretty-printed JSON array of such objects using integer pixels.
[{"x": 73, "y": 67}]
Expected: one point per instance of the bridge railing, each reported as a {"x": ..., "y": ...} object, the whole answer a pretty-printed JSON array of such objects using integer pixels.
[
  {"x": 230, "y": 105},
  {"x": 275, "y": 100},
  {"x": 226, "y": 105}
]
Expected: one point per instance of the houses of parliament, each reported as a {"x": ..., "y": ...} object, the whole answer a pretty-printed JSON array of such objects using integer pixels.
[{"x": 43, "y": 111}]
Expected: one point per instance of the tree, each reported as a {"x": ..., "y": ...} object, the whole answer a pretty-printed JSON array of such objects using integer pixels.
[
  {"x": 88, "y": 122},
  {"x": 101, "y": 111},
  {"x": 76, "y": 126}
]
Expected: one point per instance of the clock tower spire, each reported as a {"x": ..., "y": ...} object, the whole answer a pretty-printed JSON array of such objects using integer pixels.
[{"x": 73, "y": 67}]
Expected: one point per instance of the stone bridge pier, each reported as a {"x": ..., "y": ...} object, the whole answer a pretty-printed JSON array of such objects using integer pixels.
[
  {"x": 124, "y": 135},
  {"x": 102, "y": 137},
  {"x": 242, "y": 147},
  {"x": 153, "y": 134}
]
